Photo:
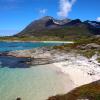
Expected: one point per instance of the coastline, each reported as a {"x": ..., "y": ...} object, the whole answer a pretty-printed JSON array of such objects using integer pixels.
[
  {"x": 35, "y": 83},
  {"x": 57, "y": 42},
  {"x": 79, "y": 71},
  {"x": 78, "y": 76},
  {"x": 70, "y": 42}
]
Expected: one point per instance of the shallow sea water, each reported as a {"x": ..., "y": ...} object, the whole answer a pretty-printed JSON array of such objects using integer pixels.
[
  {"x": 36, "y": 83},
  {"x": 9, "y": 46}
]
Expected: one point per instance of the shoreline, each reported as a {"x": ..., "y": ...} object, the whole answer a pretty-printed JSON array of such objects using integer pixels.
[
  {"x": 78, "y": 76},
  {"x": 41, "y": 82},
  {"x": 70, "y": 42},
  {"x": 57, "y": 42},
  {"x": 80, "y": 69},
  {"x": 80, "y": 73}
]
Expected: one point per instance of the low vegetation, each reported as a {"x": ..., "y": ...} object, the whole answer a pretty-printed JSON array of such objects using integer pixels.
[
  {"x": 84, "y": 46},
  {"x": 86, "y": 92},
  {"x": 68, "y": 33},
  {"x": 65, "y": 33}
]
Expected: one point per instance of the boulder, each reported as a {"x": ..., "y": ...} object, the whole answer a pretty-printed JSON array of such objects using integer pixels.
[
  {"x": 18, "y": 98},
  {"x": 89, "y": 46},
  {"x": 92, "y": 46}
]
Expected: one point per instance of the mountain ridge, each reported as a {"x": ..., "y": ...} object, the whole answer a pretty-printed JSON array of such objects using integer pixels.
[{"x": 49, "y": 26}]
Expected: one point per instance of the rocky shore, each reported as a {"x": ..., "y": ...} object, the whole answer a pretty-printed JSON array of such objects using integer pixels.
[
  {"x": 69, "y": 62},
  {"x": 37, "y": 56},
  {"x": 82, "y": 70},
  {"x": 48, "y": 55}
]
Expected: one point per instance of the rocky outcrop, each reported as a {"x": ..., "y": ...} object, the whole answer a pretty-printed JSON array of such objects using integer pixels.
[
  {"x": 18, "y": 98},
  {"x": 89, "y": 46},
  {"x": 39, "y": 56},
  {"x": 44, "y": 55},
  {"x": 92, "y": 46},
  {"x": 49, "y": 26},
  {"x": 14, "y": 62}
]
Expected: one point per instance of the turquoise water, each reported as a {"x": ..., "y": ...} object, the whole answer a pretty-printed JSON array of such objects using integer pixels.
[
  {"x": 8, "y": 46},
  {"x": 37, "y": 83}
]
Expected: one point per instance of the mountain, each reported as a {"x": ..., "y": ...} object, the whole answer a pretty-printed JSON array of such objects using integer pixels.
[
  {"x": 44, "y": 23},
  {"x": 63, "y": 29}
]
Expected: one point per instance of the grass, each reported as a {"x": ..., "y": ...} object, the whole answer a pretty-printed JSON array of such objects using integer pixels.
[
  {"x": 88, "y": 92},
  {"x": 69, "y": 33},
  {"x": 80, "y": 47},
  {"x": 98, "y": 59},
  {"x": 87, "y": 53},
  {"x": 29, "y": 38}
]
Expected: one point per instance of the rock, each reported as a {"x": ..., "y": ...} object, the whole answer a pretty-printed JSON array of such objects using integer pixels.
[
  {"x": 20, "y": 53},
  {"x": 14, "y": 62},
  {"x": 92, "y": 46},
  {"x": 45, "y": 55},
  {"x": 89, "y": 46},
  {"x": 41, "y": 61},
  {"x": 97, "y": 36},
  {"x": 18, "y": 98}
]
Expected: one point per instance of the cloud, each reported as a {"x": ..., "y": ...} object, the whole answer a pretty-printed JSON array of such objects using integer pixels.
[
  {"x": 65, "y": 7},
  {"x": 98, "y": 19},
  {"x": 43, "y": 11}
]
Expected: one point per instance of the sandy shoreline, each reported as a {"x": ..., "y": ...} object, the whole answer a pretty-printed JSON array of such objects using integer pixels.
[
  {"x": 35, "y": 83},
  {"x": 40, "y": 41},
  {"x": 78, "y": 76},
  {"x": 81, "y": 71},
  {"x": 57, "y": 41}
]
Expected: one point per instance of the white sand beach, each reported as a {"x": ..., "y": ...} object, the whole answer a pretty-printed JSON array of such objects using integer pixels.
[
  {"x": 69, "y": 42},
  {"x": 80, "y": 69}
]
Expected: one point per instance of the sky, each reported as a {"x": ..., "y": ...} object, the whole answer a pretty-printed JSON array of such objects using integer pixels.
[{"x": 15, "y": 15}]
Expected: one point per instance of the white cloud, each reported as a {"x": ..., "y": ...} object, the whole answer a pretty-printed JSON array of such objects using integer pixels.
[
  {"x": 65, "y": 7},
  {"x": 43, "y": 11},
  {"x": 98, "y": 19}
]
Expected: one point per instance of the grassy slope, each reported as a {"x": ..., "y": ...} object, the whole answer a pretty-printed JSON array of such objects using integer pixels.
[
  {"x": 86, "y": 92},
  {"x": 65, "y": 33},
  {"x": 82, "y": 42}
]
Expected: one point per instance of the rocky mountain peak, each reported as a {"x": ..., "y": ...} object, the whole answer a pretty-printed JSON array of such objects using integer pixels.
[{"x": 47, "y": 23}]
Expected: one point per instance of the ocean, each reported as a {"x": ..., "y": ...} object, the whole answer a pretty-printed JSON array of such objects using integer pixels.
[
  {"x": 9, "y": 46},
  {"x": 35, "y": 83}
]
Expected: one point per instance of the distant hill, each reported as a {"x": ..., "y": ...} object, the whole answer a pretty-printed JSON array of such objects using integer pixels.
[{"x": 63, "y": 29}]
